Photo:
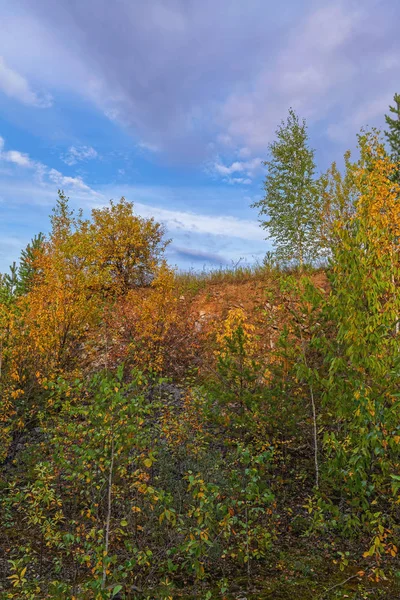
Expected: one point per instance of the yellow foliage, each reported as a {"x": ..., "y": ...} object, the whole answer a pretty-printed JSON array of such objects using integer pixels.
[
  {"x": 141, "y": 321},
  {"x": 236, "y": 319}
]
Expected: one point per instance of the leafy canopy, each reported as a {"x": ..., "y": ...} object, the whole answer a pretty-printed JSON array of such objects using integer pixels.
[{"x": 291, "y": 204}]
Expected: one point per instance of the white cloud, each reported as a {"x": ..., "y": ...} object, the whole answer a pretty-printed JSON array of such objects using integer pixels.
[
  {"x": 18, "y": 158},
  {"x": 79, "y": 154},
  {"x": 148, "y": 146},
  {"x": 70, "y": 182},
  {"x": 313, "y": 72},
  {"x": 176, "y": 220},
  {"x": 29, "y": 192},
  {"x": 228, "y": 170},
  {"x": 43, "y": 173},
  {"x": 242, "y": 180},
  {"x": 16, "y": 86},
  {"x": 15, "y": 157},
  {"x": 221, "y": 225},
  {"x": 181, "y": 97},
  {"x": 246, "y": 168}
]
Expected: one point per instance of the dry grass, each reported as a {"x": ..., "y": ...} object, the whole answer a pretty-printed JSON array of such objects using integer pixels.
[
  {"x": 196, "y": 280},
  {"x": 191, "y": 282}
]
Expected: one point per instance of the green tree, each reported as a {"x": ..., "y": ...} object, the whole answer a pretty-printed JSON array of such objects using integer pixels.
[
  {"x": 292, "y": 203},
  {"x": 20, "y": 277},
  {"x": 362, "y": 356},
  {"x": 27, "y": 269},
  {"x": 393, "y": 134},
  {"x": 10, "y": 282}
]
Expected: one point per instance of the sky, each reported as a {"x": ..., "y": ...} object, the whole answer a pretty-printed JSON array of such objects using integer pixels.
[{"x": 172, "y": 104}]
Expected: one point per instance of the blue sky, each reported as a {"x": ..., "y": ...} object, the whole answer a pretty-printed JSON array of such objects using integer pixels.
[{"x": 172, "y": 103}]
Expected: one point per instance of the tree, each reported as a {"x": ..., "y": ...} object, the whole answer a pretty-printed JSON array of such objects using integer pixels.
[
  {"x": 291, "y": 201},
  {"x": 363, "y": 355},
  {"x": 10, "y": 282},
  {"x": 128, "y": 247},
  {"x": 27, "y": 268},
  {"x": 393, "y": 135},
  {"x": 339, "y": 196},
  {"x": 19, "y": 279}
]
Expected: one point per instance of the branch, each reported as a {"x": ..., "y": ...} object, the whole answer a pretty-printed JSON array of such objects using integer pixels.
[{"x": 338, "y": 585}]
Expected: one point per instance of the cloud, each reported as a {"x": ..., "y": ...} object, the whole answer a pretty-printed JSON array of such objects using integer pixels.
[
  {"x": 224, "y": 170},
  {"x": 149, "y": 147},
  {"x": 306, "y": 68},
  {"x": 16, "y": 87},
  {"x": 322, "y": 70},
  {"x": 206, "y": 235},
  {"x": 220, "y": 225},
  {"x": 244, "y": 152},
  {"x": 146, "y": 65},
  {"x": 245, "y": 168},
  {"x": 212, "y": 238},
  {"x": 63, "y": 181},
  {"x": 18, "y": 158},
  {"x": 15, "y": 157},
  {"x": 43, "y": 173},
  {"x": 196, "y": 255},
  {"x": 366, "y": 114},
  {"x": 79, "y": 154},
  {"x": 175, "y": 219},
  {"x": 242, "y": 180}
]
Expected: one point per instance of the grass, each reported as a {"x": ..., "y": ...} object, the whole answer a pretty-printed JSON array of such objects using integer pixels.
[
  {"x": 196, "y": 280},
  {"x": 191, "y": 282}
]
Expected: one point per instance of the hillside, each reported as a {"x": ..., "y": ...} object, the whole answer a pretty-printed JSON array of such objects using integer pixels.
[
  {"x": 171, "y": 429},
  {"x": 225, "y": 434}
]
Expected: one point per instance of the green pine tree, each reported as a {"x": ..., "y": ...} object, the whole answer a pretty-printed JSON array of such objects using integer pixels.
[
  {"x": 19, "y": 278},
  {"x": 292, "y": 203},
  {"x": 10, "y": 281},
  {"x": 26, "y": 268},
  {"x": 393, "y": 134}
]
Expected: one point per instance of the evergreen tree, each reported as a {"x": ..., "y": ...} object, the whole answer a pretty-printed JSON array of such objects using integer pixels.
[
  {"x": 393, "y": 135},
  {"x": 292, "y": 202},
  {"x": 19, "y": 279},
  {"x": 10, "y": 282},
  {"x": 27, "y": 268}
]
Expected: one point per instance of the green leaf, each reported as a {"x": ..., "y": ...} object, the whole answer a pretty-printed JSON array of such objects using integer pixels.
[{"x": 117, "y": 589}]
